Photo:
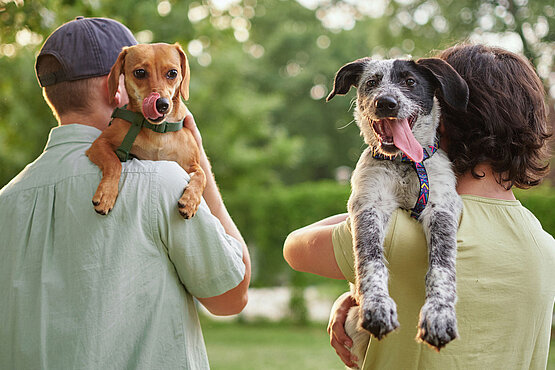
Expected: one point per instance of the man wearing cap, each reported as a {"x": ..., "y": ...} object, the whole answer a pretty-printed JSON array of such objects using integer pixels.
[{"x": 82, "y": 290}]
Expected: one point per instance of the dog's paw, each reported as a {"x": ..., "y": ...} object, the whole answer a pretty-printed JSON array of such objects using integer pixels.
[
  {"x": 104, "y": 199},
  {"x": 437, "y": 325},
  {"x": 188, "y": 204},
  {"x": 379, "y": 316}
]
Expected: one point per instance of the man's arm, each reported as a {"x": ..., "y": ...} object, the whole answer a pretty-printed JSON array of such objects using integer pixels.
[
  {"x": 310, "y": 249},
  {"x": 234, "y": 300}
]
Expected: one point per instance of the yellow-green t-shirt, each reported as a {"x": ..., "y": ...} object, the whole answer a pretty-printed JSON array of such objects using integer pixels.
[{"x": 505, "y": 287}]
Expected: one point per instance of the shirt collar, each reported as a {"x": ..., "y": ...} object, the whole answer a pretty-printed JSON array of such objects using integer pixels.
[{"x": 72, "y": 133}]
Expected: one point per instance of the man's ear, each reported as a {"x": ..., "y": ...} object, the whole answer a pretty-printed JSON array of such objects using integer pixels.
[
  {"x": 452, "y": 86},
  {"x": 113, "y": 77},
  {"x": 347, "y": 76},
  {"x": 185, "y": 72}
]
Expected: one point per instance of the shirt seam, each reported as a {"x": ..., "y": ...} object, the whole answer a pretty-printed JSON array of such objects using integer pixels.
[
  {"x": 67, "y": 178},
  {"x": 341, "y": 258},
  {"x": 494, "y": 201},
  {"x": 390, "y": 232},
  {"x": 153, "y": 227}
]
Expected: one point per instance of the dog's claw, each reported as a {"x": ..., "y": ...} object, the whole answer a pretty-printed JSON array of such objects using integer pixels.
[
  {"x": 105, "y": 198},
  {"x": 102, "y": 212},
  {"x": 187, "y": 205}
]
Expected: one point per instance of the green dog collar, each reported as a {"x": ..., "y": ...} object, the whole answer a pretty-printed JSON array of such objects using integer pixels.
[{"x": 137, "y": 123}]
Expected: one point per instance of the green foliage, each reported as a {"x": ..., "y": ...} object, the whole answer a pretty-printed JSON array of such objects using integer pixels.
[
  {"x": 259, "y": 101},
  {"x": 266, "y": 216},
  {"x": 541, "y": 202}
]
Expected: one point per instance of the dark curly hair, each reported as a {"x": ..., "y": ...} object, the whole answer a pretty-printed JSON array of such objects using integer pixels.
[{"x": 506, "y": 120}]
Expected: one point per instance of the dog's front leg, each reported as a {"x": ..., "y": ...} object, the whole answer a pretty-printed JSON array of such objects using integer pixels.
[
  {"x": 102, "y": 154},
  {"x": 438, "y": 322},
  {"x": 378, "y": 310},
  {"x": 190, "y": 200}
]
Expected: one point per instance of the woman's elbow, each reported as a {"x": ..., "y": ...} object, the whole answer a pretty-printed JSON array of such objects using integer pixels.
[{"x": 292, "y": 252}]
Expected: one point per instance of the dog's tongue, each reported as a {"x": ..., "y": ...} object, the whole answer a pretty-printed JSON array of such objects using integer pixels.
[
  {"x": 404, "y": 139},
  {"x": 149, "y": 106}
]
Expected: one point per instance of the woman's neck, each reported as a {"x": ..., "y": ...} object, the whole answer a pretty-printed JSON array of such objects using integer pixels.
[{"x": 486, "y": 186}]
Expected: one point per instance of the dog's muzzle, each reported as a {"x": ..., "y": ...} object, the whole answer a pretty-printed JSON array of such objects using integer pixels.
[
  {"x": 398, "y": 132},
  {"x": 155, "y": 107}
]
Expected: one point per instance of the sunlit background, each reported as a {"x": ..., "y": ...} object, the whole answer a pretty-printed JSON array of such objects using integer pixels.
[{"x": 260, "y": 72}]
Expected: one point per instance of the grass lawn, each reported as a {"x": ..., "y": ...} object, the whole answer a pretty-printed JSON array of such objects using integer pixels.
[
  {"x": 271, "y": 346},
  {"x": 268, "y": 346}
]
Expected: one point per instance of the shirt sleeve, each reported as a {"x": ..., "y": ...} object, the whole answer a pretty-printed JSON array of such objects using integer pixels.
[
  {"x": 343, "y": 249},
  {"x": 207, "y": 260},
  {"x": 342, "y": 241}
]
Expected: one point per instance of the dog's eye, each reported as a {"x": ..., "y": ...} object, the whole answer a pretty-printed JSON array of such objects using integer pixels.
[
  {"x": 410, "y": 82},
  {"x": 139, "y": 73},
  {"x": 372, "y": 83},
  {"x": 172, "y": 73}
]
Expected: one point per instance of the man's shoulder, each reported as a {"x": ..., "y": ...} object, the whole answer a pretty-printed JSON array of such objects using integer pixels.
[{"x": 167, "y": 173}]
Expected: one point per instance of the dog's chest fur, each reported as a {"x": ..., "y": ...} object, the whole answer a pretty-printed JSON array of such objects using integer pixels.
[{"x": 155, "y": 146}]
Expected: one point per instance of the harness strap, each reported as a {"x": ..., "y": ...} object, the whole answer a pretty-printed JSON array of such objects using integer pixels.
[
  {"x": 138, "y": 121},
  {"x": 420, "y": 169}
]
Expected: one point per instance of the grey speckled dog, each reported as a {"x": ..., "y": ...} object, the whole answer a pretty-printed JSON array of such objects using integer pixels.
[{"x": 398, "y": 114}]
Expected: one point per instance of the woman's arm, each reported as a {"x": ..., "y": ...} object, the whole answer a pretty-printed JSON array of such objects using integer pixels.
[{"x": 310, "y": 249}]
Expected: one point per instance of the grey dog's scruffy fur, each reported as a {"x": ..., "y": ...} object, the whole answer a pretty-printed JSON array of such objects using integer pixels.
[{"x": 381, "y": 186}]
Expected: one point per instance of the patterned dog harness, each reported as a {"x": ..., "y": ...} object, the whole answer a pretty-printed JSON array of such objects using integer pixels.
[
  {"x": 422, "y": 176},
  {"x": 137, "y": 122}
]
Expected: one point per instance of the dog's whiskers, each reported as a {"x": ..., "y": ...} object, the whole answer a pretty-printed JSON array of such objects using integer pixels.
[
  {"x": 353, "y": 102},
  {"x": 343, "y": 127}
]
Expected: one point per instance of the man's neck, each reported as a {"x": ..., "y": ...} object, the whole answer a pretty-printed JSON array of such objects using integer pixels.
[
  {"x": 486, "y": 186},
  {"x": 98, "y": 119}
]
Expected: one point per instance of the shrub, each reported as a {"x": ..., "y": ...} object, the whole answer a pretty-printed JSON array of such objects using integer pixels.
[{"x": 266, "y": 216}]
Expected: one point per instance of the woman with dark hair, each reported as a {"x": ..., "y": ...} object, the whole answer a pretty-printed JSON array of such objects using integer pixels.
[{"x": 505, "y": 260}]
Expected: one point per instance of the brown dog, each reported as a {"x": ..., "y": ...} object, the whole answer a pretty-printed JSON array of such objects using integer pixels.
[{"x": 156, "y": 76}]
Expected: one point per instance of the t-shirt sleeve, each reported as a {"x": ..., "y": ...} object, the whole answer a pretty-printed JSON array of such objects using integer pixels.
[
  {"x": 342, "y": 241},
  {"x": 207, "y": 260},
  {"x": 343, "y": 249}
]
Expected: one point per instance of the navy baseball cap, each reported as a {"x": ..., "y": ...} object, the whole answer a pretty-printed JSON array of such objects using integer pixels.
[{"x": 85, "y": 47}]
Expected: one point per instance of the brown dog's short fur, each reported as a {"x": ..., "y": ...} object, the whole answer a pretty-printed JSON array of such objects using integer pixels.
[{"x": 179, "y": 146}]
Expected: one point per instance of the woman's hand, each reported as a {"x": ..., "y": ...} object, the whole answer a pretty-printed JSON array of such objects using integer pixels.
[{"x": 339, "y": 340}]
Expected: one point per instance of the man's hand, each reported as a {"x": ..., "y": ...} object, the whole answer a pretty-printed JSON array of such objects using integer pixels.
[{"x": 339, "y": 340}]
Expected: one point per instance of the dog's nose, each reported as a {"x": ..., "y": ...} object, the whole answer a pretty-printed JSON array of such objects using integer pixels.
[
  {"x": 386, "y": 105},
  {"x": 162, "y": 105}
]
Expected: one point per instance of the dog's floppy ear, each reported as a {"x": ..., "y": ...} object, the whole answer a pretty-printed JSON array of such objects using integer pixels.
[
  {"x": 115, "y": 72},
  {"x": 185, "y": 72},
  {"x": 347, "y": 76},
  {"x": 453, "y": 87}
]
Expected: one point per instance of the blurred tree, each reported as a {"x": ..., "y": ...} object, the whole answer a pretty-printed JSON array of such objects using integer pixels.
[{"x": 262, "y": 68}]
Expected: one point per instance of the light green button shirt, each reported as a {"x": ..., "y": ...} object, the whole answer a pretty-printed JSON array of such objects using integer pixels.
[{"x": 83, "y": 291}]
